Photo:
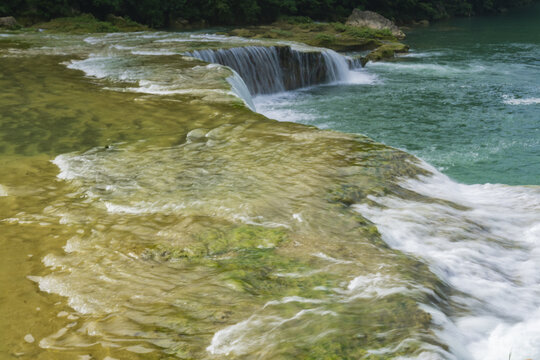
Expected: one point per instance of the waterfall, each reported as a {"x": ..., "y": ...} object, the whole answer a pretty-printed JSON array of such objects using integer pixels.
[
  {"x": 273, "y": 69},
  {"x": 239, "y": 88}
]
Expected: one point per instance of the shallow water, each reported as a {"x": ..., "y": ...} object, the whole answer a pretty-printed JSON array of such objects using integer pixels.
[{"x": 146, "y": 212}]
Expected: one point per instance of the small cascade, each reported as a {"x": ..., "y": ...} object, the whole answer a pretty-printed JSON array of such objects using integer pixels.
[
  {"x": 239, "y": 88},
  {"x": 272, "y": 69}
]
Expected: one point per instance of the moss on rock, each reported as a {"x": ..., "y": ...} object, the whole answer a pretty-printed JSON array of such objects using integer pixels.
[
  {"x": 384, "y": 52},
  {"x": 213, "y": 242}
]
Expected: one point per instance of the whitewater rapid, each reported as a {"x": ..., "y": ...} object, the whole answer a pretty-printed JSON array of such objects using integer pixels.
[{"x": 483, "y": 241}]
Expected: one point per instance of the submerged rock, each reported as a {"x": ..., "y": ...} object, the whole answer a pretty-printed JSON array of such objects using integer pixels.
[
  {"x": 212, "y": 242},
  {"x": 375, "y": 21},
  {"x": 9, "y": 22}
]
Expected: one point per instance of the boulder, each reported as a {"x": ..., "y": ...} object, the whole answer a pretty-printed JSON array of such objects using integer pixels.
[
  {"x": 9, "y": 22},
  {"x": 384, "y": 52},
  {"x": 373, "y": 20}
]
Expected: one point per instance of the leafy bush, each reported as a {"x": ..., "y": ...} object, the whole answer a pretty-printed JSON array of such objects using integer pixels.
[
  {"x": 339, "y": 27},
  {"x": 160, "y": 13},
  {"x": 296, "y": 20},
  {"x": 325, "y": 39}
]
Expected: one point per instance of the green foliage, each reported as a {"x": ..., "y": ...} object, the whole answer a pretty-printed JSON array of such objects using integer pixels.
[
  {"x": 295, "y": 20},
  {"x": 80, "y": 24},
  {"x": 161, "y": 13},
  {"x": 87, "y": 23},
  {"x": 282, "y": 33},
  {"x": 325, "y": 39},
  {"x": 339, "y": 27}
]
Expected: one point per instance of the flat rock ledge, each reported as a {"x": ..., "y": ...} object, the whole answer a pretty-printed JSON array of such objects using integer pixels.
[{"x": 373, "y": 20}]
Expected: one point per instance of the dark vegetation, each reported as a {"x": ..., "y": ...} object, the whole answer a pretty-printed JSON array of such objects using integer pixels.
[{"x": 164, "y": 13}]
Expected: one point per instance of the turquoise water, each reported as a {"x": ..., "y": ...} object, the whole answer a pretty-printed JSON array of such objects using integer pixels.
[{"x": 466, "y": 99}]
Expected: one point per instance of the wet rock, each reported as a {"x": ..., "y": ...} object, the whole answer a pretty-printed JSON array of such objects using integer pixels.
[
  {"x": 385, "y": 51},
  {"x": 215, "y": 242},
  {"x": 375, "y": 21},
  {"x": 9, "y": 22}
]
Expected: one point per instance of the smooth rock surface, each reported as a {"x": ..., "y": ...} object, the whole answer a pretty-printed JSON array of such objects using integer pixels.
[{"x": 373, "y": 20}]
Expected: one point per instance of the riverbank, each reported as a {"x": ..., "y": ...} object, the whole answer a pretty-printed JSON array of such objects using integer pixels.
[
  {"x": 336, "y": 36},
  {"x": 81, "y": 24}
]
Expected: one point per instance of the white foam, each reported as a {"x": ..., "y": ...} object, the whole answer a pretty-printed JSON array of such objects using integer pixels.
[
  {"x": 373, "y": 286},
  {"x": 298, "y": 217},
  {"x": 63, "y": 163},
  {"x": 103, "y": 67},
  {"x": 153, "y": 53},
  {"x": 361, "y": 77},
  {"x": 484, "y": 241},
  {"x": 256, "y": 332},
  {"x": 93, "y": 40},
  {"x": 413, "y": 54},
  {"x": 84, "y": 304},
  {"x": 3, "y": 191},
  {"x": 281, "y": 107},
  {"x": 296, "y": 299},
  {"x": 323, "y": 256},
  {"x": 526, "y": 101},
  {"x": 432, "y": 69}
]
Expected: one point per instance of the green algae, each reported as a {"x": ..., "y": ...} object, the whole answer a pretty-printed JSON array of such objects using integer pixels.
[
  {"x": 270, "y": 274},
  {"x": 213, "y": 242}
]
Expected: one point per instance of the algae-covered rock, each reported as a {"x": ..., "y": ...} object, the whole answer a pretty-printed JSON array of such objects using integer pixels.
[
  {"x": 221, "y": 241},
  {"x": 265, "y": 272},
  {"x": 385, "y": 51},
  {"x": 373, "y": 20},
  {"x": 9, "y": 22}
]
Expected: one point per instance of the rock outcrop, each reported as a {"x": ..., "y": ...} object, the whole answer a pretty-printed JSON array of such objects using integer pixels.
[
  {"x": 9, "y": 22},
  {"x": 375, "y": 21},
  {"x": 384, "y": 52}
]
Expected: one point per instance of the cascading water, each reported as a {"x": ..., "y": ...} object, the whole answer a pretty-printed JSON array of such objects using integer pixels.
[
  {"x": 264, "y": 239},
  {"x": 267, "y": 70}
]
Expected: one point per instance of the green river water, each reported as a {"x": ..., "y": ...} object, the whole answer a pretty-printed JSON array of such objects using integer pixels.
[
  {"x": 465, "y": 99},
  {"x": 147, "y": 213}
]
